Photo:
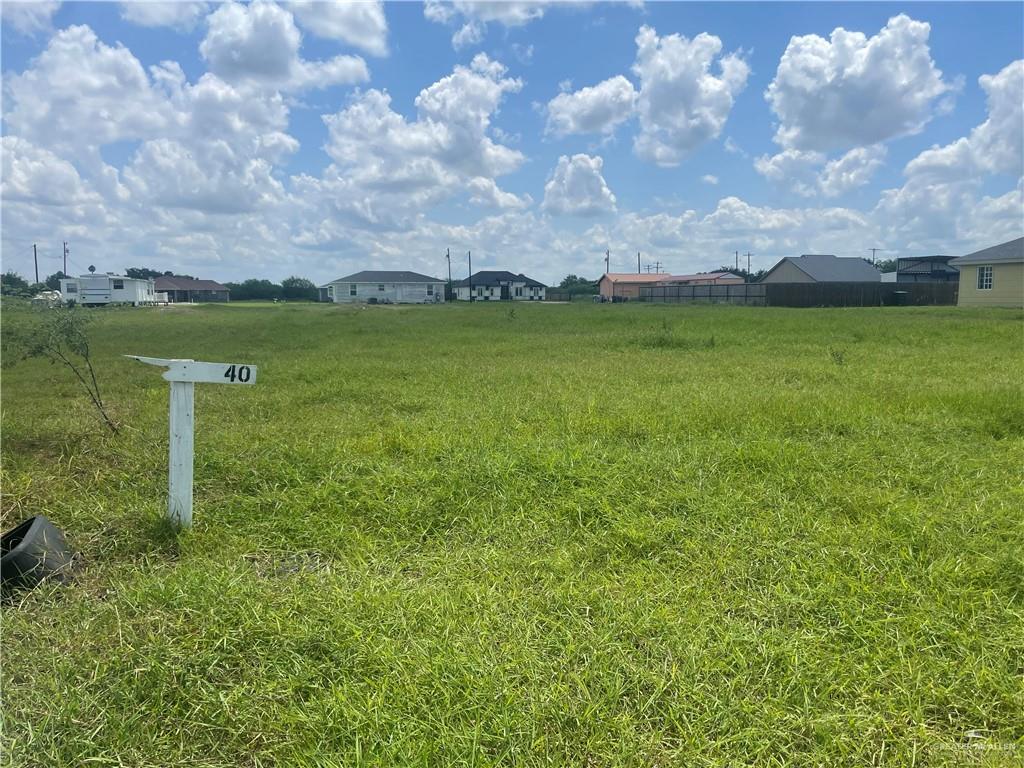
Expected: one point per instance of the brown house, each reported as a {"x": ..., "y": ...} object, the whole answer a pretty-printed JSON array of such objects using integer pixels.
[{"x": 187, "y": 289}]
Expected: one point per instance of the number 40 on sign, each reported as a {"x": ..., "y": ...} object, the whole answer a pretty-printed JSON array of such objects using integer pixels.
[{"x": 183, "y": 375}]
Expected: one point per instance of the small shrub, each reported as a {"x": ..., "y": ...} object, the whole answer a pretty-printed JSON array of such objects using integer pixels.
[
  {"x": 838, "y": 356},
  {"x": 57, "y": 334}
]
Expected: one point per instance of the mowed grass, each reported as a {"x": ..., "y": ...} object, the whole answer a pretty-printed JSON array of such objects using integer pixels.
[{"x": 578, "y": 535}]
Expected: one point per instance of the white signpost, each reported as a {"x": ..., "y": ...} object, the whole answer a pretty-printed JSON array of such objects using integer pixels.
[{"x": 183, "y": 375}]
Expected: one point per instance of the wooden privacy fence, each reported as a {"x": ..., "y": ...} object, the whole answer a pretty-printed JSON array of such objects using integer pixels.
[{"x": 805, "y": 294}]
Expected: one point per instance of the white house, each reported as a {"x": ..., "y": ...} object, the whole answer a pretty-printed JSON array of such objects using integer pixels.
[
  {"x": 92, "y": 290},
  {"x": 499, "y": 286},
  {"x": 384, "y": 287}
]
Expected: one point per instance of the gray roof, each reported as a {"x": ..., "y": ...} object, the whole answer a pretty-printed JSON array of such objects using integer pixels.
[
  {"x": 387, "y": 276},
  {"x": 174, "y": 283},
  {"x": 826, "y": 268},
  {"x": 1011, "y": 251},
  {"x": 494, "y": 278}
]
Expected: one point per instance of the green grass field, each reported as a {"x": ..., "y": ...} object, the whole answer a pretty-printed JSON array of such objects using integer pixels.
[{"x": 580, "y": 535}]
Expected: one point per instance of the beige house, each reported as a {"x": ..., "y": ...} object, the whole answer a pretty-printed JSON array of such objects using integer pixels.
[{"x": 993, "y": 277}]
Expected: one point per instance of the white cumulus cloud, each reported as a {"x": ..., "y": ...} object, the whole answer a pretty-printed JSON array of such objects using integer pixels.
[
  {"x": 852, "y": 170},
  {"x": 387, "y": 169},
  {"x": 683, "y": 101},
  {"x": 259, "y": 43},
  {"x": 596, "y": 109},
  {"x": 995, "y": 146},
  {"x": 485, "y": 192},
  {"x": 176, "y": 14},
  {"x": 576, "y": 187},
  {"x": 29, "y": 16},
  {"x": 360, "y": 23},
  {"x": 808, "y": 174},
  {"x": 852, "y": 90}
]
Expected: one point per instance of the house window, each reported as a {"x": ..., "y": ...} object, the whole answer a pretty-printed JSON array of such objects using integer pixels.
[
  {"x": 380, "y": 287},
  {"x": 330, "y": 291},
  {"x": 119, "y": 285},
  {"x": 71, "y": 288},
  {"x": 519, "y": 291},
  {"x": 985, "y": 278},
  {"x": 430, "y": 290},
  {"x": 352, "y": 289}
]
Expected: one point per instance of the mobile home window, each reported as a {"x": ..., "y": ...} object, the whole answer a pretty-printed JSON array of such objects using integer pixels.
[
  {"x": 119, "y": 285},
  {"x": 352, "y": 290},
  {"x": 985, "y": 278},
  {"x": 380, "y": 287},
  {"x": 330, "y": 291},
  {"x": 430, "y": 290},
  {"x": 71, "y": 288},
  {"x": 479, "y": 291}
]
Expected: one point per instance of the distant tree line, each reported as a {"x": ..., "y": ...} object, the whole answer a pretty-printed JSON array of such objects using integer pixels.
[
  {"x": 290, "y": 289},
  {"x": 13, "y": 284}
]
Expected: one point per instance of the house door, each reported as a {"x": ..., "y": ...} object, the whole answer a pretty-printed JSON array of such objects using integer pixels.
[{"x": 505, "y": 295}]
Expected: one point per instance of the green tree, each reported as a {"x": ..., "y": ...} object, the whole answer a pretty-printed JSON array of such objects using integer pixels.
[
  {"x": 13, "y": 284},
  {"x": 299, "y": 288},
  {"x": 576, "y": 285},
  {"x": 53, "y": 281},
  {"x": 143, "y": 273},
  {"x": 252, "y": 289}
]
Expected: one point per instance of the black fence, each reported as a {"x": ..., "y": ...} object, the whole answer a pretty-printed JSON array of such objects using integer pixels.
[
  {"x": 551, "y": 295},
  {"x": 744, "y": 293},
  {"x": 805, "y": 294}
]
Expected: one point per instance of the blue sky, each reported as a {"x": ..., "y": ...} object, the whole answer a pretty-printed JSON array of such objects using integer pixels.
[{"x": 291, "y": 141}]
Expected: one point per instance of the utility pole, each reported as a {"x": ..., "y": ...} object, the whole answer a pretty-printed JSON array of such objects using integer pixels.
[
  {"x": 448, "y": 255},
  {"x": 469, "y": 254},
  {"x": 749, "y": 254},
  {"x": 873, "y": 251},
  {"x": 65, "y": 258},
  {"x": 607, "y": 260},
  {"x": 737, "y": 259},
  {"x": 638, "y": 262},
  {"x": 35, "y": 258}
]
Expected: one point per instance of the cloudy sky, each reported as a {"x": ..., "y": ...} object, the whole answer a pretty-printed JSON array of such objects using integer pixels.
[{"x": 264, "y": 140}]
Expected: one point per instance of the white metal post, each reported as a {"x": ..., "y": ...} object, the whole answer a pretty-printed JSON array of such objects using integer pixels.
[{"x": 179, "y": 500}]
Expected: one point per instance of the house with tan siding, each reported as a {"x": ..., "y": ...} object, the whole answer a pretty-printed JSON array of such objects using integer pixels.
[{"x": 992, "y": 277}]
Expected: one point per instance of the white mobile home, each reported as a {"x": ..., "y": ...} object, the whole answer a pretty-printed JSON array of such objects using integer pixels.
[
  {"x": 499, "y": 286},
  {"x": 384, "y": 287},
  {"x": 95, "y": 290}
]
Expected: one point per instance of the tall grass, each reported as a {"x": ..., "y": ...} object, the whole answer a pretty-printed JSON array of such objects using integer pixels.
[{"x": 576, "y": 535}]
